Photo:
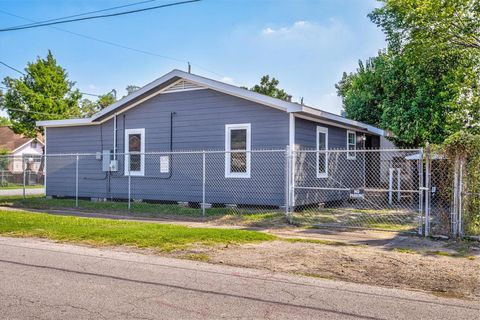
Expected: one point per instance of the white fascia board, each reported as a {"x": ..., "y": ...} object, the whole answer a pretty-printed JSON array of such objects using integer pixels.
[
  {"x": 20, "y": 147},
  {"x": 338, "y": 118},
  {"x": 64, "y": 122}
]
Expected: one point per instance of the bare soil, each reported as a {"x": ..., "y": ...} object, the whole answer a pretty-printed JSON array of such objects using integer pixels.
[{"x": 457, "y": 277}]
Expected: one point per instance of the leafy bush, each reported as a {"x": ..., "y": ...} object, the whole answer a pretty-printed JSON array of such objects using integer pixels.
[{"x": 465, "y": 146}]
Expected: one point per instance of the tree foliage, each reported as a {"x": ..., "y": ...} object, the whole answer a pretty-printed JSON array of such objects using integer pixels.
[
  {"x": 43, "y": 93},
  {"x": 4, "y": 121},
  {"x": 89, "y": 108},
  {"x": 270, "y": 88},
  {"x": 425, "y": 85}
]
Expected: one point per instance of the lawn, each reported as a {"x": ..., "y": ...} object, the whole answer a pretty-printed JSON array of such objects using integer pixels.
[
  {"x": 247, "y": 217},
  {"x": 105, "y": 232}
]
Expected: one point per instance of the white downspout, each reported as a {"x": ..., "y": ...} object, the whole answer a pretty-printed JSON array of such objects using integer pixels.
[{"x": 115, "y": 137}]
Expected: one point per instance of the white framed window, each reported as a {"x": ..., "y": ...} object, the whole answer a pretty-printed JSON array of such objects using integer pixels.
[
  {"x": 237, "y": 147},
  {"x": 351, "y": 145},
  {"x": 135, "y": 152},
  {"x": 322, "y": 155}
]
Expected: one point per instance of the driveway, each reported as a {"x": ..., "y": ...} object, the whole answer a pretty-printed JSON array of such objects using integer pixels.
[
  {"x": 45, "y": 280},
  {"x": 19, "y": 192}
]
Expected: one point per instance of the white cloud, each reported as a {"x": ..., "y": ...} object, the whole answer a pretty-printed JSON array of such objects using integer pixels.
[
  {"x": 267, "y": 31},
  {"x": 92, "y": 87},
  {"x": 307, "y": 33}
]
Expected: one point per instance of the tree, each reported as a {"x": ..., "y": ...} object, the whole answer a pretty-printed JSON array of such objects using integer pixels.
[
  {"x": 425, "y": 86},
  {"x": 89, "y": 108},
  {"x": 362, "y": 92},
  {"x": 269, "y": 87},
  {"x": 4, "y": 121},
  {"x": 43, "y": 93}
]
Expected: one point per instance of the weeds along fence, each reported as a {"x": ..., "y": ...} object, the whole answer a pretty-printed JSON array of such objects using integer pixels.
[{"x": 409, "y": 190}]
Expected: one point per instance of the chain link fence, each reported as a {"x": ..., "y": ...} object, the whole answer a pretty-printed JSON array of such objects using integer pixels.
[
  {"x": 380, "y": 189},
  {"x": 188, "y": 183},
  {"x": 404, "y": 190},
  {"x": 21, "y": 175}
]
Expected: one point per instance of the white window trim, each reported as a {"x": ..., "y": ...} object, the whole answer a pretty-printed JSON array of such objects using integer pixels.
[
  {"x": 228, "y": 155},
  {"x": 350, "y": 157},
  {"x": 142, "y": 152},
  {"x": 325, "y": 131}
]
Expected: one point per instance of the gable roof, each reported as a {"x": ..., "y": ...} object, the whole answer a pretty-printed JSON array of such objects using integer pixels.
[
  {"x": 12, "y": 141},
  {"x": 196, "y": 82}
]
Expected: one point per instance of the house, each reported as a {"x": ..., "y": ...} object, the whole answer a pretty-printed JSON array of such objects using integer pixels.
[
  {"x": 182, "y": 111},
  {"x": 20, "y": 148}
]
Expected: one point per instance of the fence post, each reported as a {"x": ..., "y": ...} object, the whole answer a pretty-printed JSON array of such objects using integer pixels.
[
  {"x": 129, "y": 180},
  {"x": 427, "y": 191},
  {"x": 460, "y": 199},
  {"x": 203, "y": 182},
  {"x": 24, "y": 176},
  {"x": 454, "y": 212},
  {"x": 76, "y": 181},
  {"x": 420, "y": 194},
  {"x": 287, "y": 183}
]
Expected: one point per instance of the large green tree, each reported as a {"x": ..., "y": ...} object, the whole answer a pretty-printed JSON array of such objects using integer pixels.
[
  {"x": 425, "y": 86},
  {"x": 270, "y": 87},
  {"x": 43, "y": 93}
]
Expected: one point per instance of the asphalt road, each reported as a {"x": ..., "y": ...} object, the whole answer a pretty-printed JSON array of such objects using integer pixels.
[{"x": 44, "y": 280}]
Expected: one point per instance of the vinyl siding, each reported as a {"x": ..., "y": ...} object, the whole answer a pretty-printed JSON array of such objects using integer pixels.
[{"x": 342, "y": 172}]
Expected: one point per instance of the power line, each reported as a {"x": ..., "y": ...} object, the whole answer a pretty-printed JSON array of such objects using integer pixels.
[
  {"x": 10, "y": 67},
  {"x": 114, "y": 44},
  {"x": 30, "y": 111},
  {"x": 87, "y": 13},
  {"x": 99, "y": 16}
]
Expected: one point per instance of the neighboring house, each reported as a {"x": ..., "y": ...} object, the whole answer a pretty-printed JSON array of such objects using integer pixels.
[
  {"x": 183, "y": 111},
  {"x": 21, "y": 148}
]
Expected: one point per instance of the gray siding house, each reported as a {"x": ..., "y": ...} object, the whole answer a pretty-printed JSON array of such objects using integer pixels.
[{"x": 181, "y": 111}]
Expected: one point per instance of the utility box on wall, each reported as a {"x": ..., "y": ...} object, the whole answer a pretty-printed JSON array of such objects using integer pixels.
[{"x": 106, "y": 157}]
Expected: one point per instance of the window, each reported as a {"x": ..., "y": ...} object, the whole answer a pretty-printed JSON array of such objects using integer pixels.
[
  {"x": 237, "y": 145},
  {"x": 322, "y": 156},
  {"x": 351, "y": 145},
  {"x": 134, "y": 152}
]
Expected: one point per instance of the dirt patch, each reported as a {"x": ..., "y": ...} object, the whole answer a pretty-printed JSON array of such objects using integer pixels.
[{"x": 444, "y": 275}]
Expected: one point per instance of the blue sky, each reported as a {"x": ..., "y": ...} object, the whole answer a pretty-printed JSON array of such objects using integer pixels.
[{"x": 307, "y": 44}]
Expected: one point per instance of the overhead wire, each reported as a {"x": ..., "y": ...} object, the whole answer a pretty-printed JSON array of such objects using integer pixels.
[
  {"x": 98, "y": 16},
  {"x": 118, "y": 45},
  {"x": 90, "y": 12}
]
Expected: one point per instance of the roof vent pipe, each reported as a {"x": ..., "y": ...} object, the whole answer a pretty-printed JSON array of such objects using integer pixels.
[
  {"x": 289, "y": 98},
  {"x": 189, "y": 68}
]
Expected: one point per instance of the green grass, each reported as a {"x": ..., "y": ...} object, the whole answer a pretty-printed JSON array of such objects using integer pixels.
[
  {"x": 161, "y": 237},
  {"x": 40, "y": 202},
  {"x": 225, "y": 215}
]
